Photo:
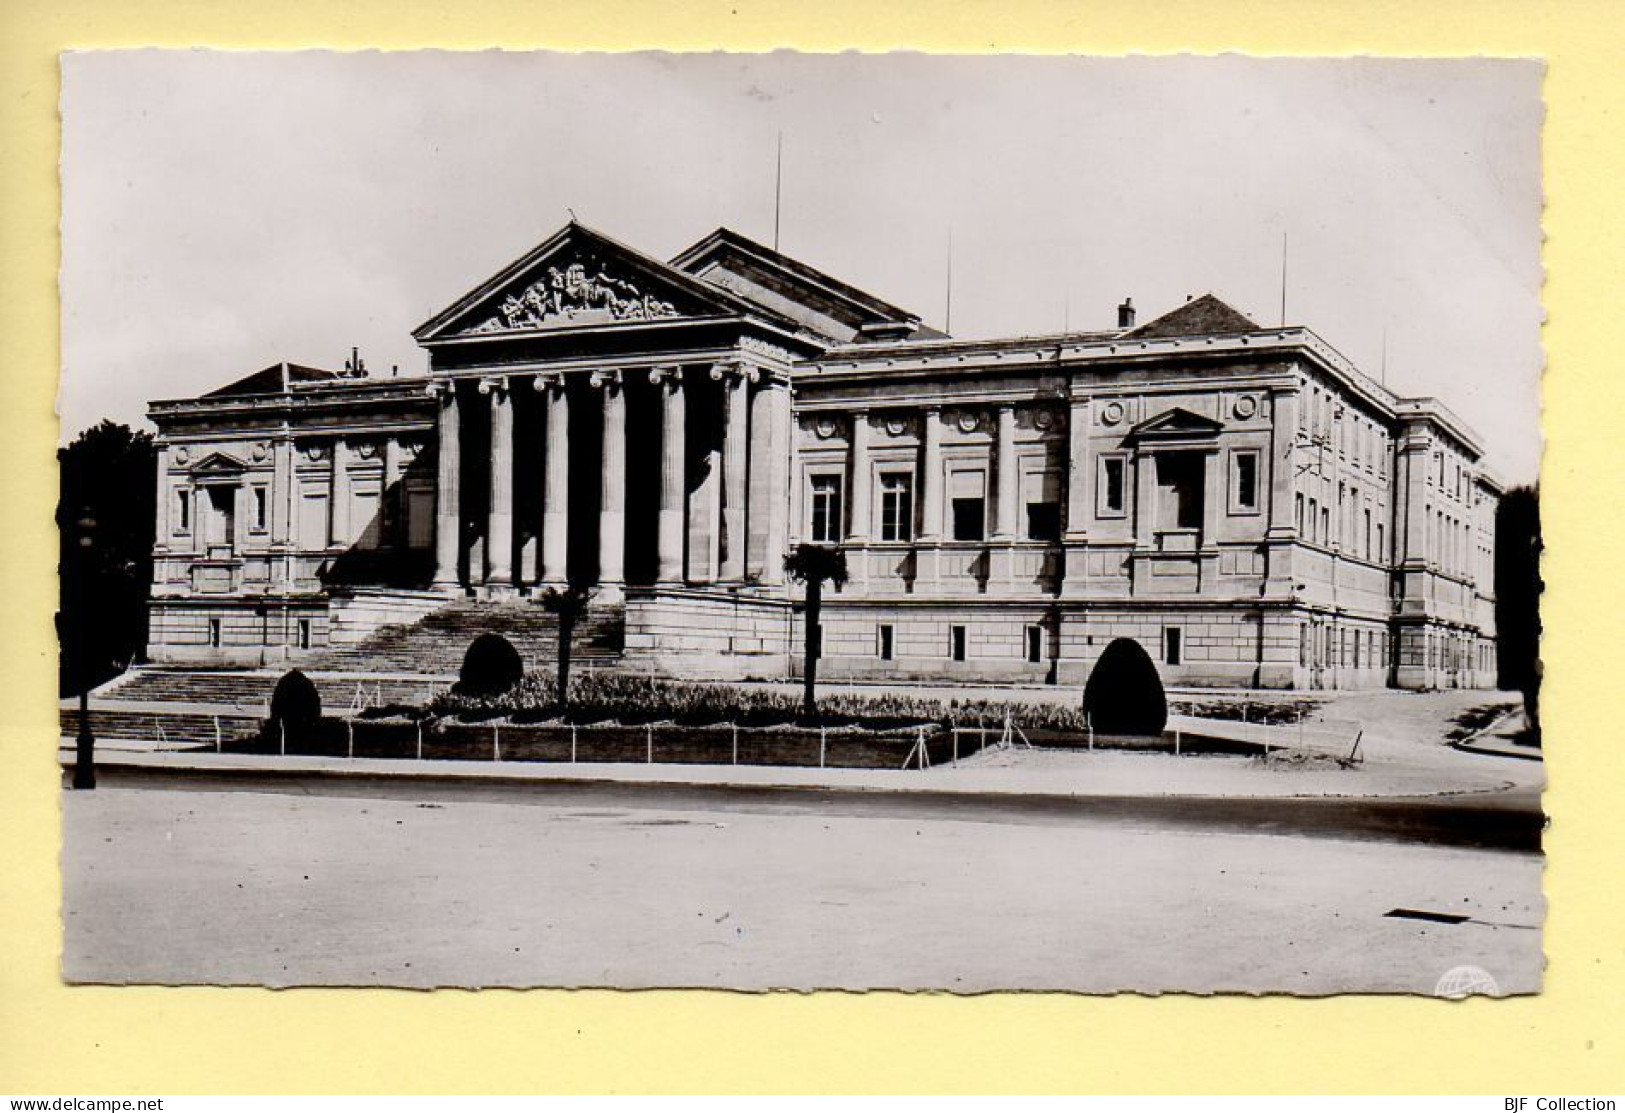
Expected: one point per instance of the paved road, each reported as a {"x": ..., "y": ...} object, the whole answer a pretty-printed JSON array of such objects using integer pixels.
[
  {"x": 295, "y": 882},
  {"x": 1506, "y": 820}
]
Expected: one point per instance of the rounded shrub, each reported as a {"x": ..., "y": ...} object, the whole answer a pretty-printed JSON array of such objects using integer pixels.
[
  {"x": 1124, "y": 694},
  {"x": 490, "y": 667},
  {"x": 296, "y": 705}
]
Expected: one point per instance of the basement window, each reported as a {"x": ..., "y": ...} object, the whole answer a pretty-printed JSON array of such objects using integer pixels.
[
  {"x": 885, "y": 647},
  {"x": 1172, "y": 649},
  {"x": 1035, "y": 644},
  {"x": 956, "y": 643}
]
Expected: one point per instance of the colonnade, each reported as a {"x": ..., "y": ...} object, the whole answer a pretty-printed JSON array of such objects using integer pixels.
[{"x": 745, "y": 542}]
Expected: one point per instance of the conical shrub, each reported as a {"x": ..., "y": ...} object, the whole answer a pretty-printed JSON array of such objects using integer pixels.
[
  {"x": 296, "y": 706},
  {"x": 490, "y": 667},
  {"x": 1124, "y": 694}
]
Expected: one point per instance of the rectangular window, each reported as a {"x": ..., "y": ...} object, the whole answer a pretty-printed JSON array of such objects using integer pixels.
[
  {"x": 261, "y": 505},
  {"x": 1297, "y": 501},
  {"x": 1113, "y": 478},
  {"x": 967, "y": 494},
  {"x": 183, "y": 511},
  {"x": 897, "y": 506},
  {"x": 1171, "y": 648},
  {"x": 313, "y": 519},
  {"x": 1035, "y": 644},
  {"x": 1244, "y": 482},
  {"x": 1325, "y": 525},
  {"x": 886, "y": 642},
  {"x": 214, "y": 633},
  {"x": 304, "y": 633},
  {"x": 1041, "y": 494},
  {"x": 825, "y": 507},
  {"x": 1368, "y": 553},
  {"x": 956, "y": 643}
]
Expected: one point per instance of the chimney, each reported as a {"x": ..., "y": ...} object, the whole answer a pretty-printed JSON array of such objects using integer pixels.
[{"x": 1125, "y": 314}]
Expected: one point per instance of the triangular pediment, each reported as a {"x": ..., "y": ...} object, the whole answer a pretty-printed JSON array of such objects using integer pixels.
[
  {"x": 578, "y": 278},
  {"x": 218, "y": 463},
  {"x": 1177, "y": 422}
]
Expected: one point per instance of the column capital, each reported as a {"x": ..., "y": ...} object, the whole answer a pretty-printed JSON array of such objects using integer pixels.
[
  {"x": 670, "y": 376},
  {"x": 606, "y": 379},
  {"x": 440, "y": 388},
  {"x": 494, "y": 384},
  {"x": 543, "y": 383},
  {"x": 732, "y": 369}
]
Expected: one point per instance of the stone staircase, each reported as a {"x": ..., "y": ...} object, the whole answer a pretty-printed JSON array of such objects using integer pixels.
[
  {"x": 232, "y": 688},
  {"x": 171, "y": 727},
  {"x": 434, "y": 645}
]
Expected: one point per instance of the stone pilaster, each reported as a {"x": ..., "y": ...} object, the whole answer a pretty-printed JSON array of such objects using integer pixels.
[
  {"x": 735, "y": 447},
  {"x": 555, "y": 482},
  {"x": 673, "y": 454},
  {"x": 931, "y": 474},
  {"x": 860, "y": 479},
  {"x": 391, "y": 498},
  {"x": 447, "y": 504},
  {"x": 161, "y": 527},
  {"x": 776, "y": 412},
  {"x": 1004, "y": 465},
  {"x": 499, "y": 508},
  {"x": 1281, "y": 531},
  {"x": 339, "y": 496},
  {"x": 612, "y": 488},
  {"x": 1080, "y": 496}
]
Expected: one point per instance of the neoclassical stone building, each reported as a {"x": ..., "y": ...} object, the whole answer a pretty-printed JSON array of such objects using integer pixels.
[{"x": 1241, "y": 500}]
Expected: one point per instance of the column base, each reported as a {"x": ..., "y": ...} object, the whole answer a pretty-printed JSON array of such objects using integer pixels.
[{"x": 609, "y": 593}]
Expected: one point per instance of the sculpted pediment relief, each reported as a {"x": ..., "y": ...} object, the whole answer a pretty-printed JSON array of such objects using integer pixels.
[{"x": 583, "y": 291}]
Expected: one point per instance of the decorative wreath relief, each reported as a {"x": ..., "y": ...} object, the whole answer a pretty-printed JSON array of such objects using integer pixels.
[
  {"x": 1112, "y": 414},
  {"x": 260, "y": 450},
  {"x": 968, "y": 421},
  {"x": 896, "y": 425},
  {"x": 1246, "y": 406},
  {"x": 825, "y": 427}
]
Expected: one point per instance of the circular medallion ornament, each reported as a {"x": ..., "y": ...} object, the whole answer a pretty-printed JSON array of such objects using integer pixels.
[
  {"x": 1246, "y": 406},
  {"x": 314, "y": 452},
  {"x": 1044, "y": 420},
  {"x": 968, "y": 421},
  {"x": 366, "y": 450},
  {"x": 825, "y": 427},
  {"x": 896, "y": 425},
  {"x": 410, "y": 448},
  {"x": 259, "y": 451},
  {"x": 182, "y": 456},
  {"x": 1112, "y": 414}
]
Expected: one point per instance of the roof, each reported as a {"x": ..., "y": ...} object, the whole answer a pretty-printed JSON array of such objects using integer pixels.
[
  {"x": 1202, "y": 316},
  {"x": 278, "y": 378},
  {"x": 780, "y": 283}
]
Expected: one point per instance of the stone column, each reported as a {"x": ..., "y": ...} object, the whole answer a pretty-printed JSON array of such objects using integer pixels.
[
  {"x": 931, "y": 474},
  {"x": 735, "y": 443},
  {"x": 1004, "y": 454},
  {"x": 499, "y": 507},
  {"x": 339, "y": 496},
  {"x": 1145, "y": 498},
  {"x": 390, "y": 496},
  {"x": 673, "y": 456},
  {"x": 555, "y": 482},
  {"x": 612, "y": 489},
  {"x": 769, "y": 477},
  {"x": 448, "y": 521}
]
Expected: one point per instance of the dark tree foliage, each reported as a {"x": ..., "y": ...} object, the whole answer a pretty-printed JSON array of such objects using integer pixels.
[
  {"x": 568, "y": 604},
  {"x": 814, "y": 565},
  {"x": 490, "y": 667},
  {"x": 1517, "y": 594},
  {"x": 296, "y": 706},
  {"x": 108, "y": 476},
  {"x": 1124, "y": 694}
]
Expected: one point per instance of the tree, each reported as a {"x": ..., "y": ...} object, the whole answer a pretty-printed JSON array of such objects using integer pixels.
[
  {"x": 814, "y": 565},
  {"x": 108, "y": 476},
  {"x": 1517, "y": 596},
  {"x": 568, "y": 605},
  {"x": 1124, "y": 694}
]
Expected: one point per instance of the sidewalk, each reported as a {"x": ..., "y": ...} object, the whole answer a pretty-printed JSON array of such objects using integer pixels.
[
  {"x": 1015, "y": 772},
  {"x": 1502, "y": 739}
]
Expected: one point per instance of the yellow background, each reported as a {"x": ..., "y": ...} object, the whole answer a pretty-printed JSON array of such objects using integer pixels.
[{"x": 55, "y": 1039}]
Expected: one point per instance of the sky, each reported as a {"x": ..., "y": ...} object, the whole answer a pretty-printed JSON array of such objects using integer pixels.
[{"x": 223, "y": 211}]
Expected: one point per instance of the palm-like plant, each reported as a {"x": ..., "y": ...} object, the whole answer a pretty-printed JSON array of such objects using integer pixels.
[
  {"x": 814, "y": 565},
  {"x": 568, "y": 604}
]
